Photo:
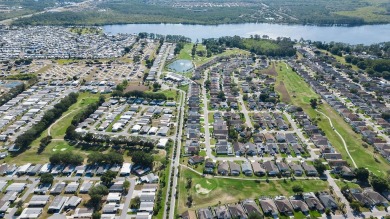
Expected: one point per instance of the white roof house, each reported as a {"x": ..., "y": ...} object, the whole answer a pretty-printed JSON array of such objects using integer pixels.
[
  {"x": 31, "y": 213},
  {"x": 16, "y": 187},
  {"x": 125, "y": 170},
  {"x": 136, "y": 128},
  {"x": 22, "y": 169},
  {"x": 114, "y": 197},
  {"x": 45, "y": 168},
  {"x": 162, "y": 142}
]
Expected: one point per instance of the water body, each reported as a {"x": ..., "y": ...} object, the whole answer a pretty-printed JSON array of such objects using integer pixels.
[
  {"x": 181, "y": 66},
  {"x": 367, "y": 34}
]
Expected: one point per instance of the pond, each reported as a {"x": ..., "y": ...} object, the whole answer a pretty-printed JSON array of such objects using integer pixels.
[{"x": 181, "y": 66}]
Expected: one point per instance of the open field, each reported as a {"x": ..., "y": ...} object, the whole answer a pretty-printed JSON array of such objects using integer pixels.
[
  {"x": 370, "y": 14},
  {"x": 301, "y": 94},
  {"x": 212, "y": 191}
]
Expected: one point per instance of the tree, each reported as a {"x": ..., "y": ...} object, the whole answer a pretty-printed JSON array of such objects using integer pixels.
[
  {"x": 253, "y": 215},
  {"x": 46, "y": 178},
  {"x": 355, "y": 205},
  {"x": 126, "y": 185},
  {"x": 297, "y": 189},
  {"x": 71, "y": 133},
  {"x": 362, "y": 174},
  {"x": 96, "y": 194},
  {"x": 142, "y": 158},
  {"x": 379, "y": 184},
  {"x": 245, "y": 97},
  {"x": 96, "y": 215},
  {"x": 107, "y": 177},
  {"x": 313, "y": 103},
  {"x": 135, "y": 203},
  {"x": 327, "y": 211},
  {"x": 320, "y": 167}
]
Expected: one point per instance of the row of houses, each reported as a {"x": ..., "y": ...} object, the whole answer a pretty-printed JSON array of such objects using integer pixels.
[
  {"x": 81, "y": 170},
  {"x": 28, "y": 108},
  {"x": 365, "y": 102},
  {"x": 269, "y": 168},
  {"x": 154, "y": 70},
  {"x": 192, "y": 130},
  {"x": 268, "y": 206}
]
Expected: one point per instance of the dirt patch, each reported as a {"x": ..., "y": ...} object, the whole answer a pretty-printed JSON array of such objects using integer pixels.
[
  {"x": 201, "y": 190},
  {"x": 270, "y": 71},
  {"x": 137, "y": 87},
  {"x": 281, "y": 89}
]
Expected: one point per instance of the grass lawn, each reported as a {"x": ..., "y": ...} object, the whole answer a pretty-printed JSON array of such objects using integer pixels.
[
  {"x": 170, "y": 94},
  {"x": 351, "y": 185},
  {"x": 210, "y": 191},
  {"x": 59, "y": 128},
  {"x": 301, "y": 94},
  {"x": 185, "y": 53},
  {"x": 370, "y": 14},
  {"x": 211, "y": 118}
]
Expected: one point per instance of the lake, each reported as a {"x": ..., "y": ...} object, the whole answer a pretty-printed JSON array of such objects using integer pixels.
[{"x": 366, "y": 34}]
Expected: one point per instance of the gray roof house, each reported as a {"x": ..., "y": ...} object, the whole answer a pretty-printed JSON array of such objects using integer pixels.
[
  {"x": 223, "y": 168},
  {"x": 246, "y": 168},
  {"x": 258, "y": 170},
  {"x": 237, "y": 211},
  {"x": 204, "y": 213},
  {"x": 327, "y": 200},
  {"x": 268, "y": 206},
  {"x": 57, "y": 204},
  {"x": 235, "y": 168},
  {"x": 271, "y": 168},
  {"x": 309, "y": 169},
  {"x": 221, "y": 212},
  {"x": 297, "y": 169},
  {"x": 313, "y": 202},
  {"x": 284, "y": 206},
  {"x": 251, "y": 207}
]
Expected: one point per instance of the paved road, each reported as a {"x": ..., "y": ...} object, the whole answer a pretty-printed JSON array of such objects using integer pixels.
[
  {"x": 23, "y": 198},
  {"x": 341, "y": 137},
  {"x": 128, "y": 199},
  {"x": 176, "y": 160},
  {"x": 337, "y": 190}
]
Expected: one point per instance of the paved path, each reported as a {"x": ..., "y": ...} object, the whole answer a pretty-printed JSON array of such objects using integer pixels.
[
  {"x": 49, "y": 129},
  {"x": 128, "y": 199},
  {"x": 341, "y": 137}
]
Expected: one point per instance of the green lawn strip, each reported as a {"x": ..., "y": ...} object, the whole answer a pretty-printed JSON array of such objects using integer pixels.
[
  {"x": 185, "y": 53},
  {"x": 211, "y": 118},
  {"x": 58, "y": 130},
  {"x": 301, "y": 94},
  {"x": 343, "y": 183},
  {"x": 164, "y": 192},
  {"x": 210, "y": 191}
]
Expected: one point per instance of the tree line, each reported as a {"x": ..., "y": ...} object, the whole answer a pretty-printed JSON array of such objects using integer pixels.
[
  {"x": 24, "y": 140},
  {"x": 258, "y": 46},
  {"x": 81, "y": 116}
]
